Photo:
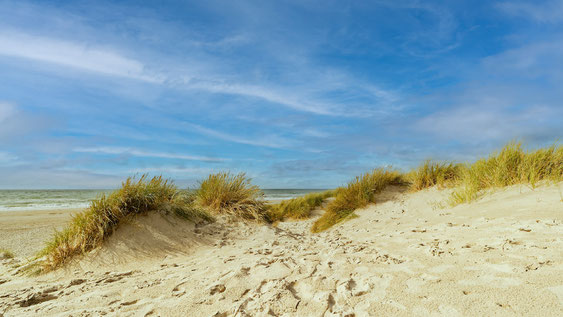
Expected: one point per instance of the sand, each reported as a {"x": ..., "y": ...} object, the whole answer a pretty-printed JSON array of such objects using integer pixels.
[
  {"x": 404, "y": 256},
  {"x": 23, "y": 232}
]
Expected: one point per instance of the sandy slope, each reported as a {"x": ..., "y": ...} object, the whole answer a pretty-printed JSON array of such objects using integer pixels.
[{"x": 502, "y": 255}]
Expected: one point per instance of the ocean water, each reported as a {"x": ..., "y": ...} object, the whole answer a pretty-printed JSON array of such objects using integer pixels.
[{"x": 14, "y": 200}]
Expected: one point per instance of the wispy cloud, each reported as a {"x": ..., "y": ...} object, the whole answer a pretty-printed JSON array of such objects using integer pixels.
[
  {"x": 161, "y": 89},
  {"x": 197, "y": 171},
  {"x": 550, "y": 11},
  {"x": 271, "y": 141},
  {"x": 142, "y": 153},
  {"x": 486, "y": 124},
  {"x": 270, "y": 95},
  {"x": 72, "y": 54},
  {"x": 541, "y": 59},
  {"x": 106, "y": 61},
  {"x": 8, "y": 159},
  {"x": 14, "y": 123}
]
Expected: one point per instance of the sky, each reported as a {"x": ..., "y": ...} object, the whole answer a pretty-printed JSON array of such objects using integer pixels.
[{"x": 297, "y": 94}]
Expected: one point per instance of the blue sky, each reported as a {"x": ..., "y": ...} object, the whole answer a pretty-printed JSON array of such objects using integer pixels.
[{"x": 298, "y": 94}]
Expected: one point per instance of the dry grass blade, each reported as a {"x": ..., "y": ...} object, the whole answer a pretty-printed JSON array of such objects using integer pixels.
[
  {"x": 434, "y": 174},
  {"x": 357, "y": 194},
  {"x": 298, "y": 208},
  {"x": 6, "y": 254},
  {"x": 512, "y": 165},
  {"x": 226, "y": 193},
  {"x": 90, "y": 228}
]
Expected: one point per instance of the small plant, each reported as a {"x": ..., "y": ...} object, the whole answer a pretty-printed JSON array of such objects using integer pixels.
[
  {"x": 511, "y": 165},
  {"x": 434, "y": 174},
  {"x": 6, "y": 254},
  {"x": 226, "y": 193},
  {"x": 357, "y": 194},
  {"x": 88, "y": 229},
  {"x": 298, "y": 208}
]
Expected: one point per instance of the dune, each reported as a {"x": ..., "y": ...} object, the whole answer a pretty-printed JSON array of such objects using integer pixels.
[{"x": 405, "y": 255}]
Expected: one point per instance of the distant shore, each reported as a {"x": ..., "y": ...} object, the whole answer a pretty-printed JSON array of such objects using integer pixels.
[{"x": 33, "y": 200}]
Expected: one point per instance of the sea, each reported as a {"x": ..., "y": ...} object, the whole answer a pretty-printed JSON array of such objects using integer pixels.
[{"x": 21, "y": 200}]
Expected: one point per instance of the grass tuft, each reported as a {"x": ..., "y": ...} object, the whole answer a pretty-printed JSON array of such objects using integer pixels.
[
  {"x": 297, "y": 208},
  {"x": 90, "y": 228},
  {"x": 434, "y": 174},
  {"x": 226, "y": 193},
  {"x": 357, "y": 194},
  {"x": 6, "y": 254},
  {"x": 511, "y": 165}
]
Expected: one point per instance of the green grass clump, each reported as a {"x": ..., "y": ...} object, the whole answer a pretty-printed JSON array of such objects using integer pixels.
[
  {"x": 357, "y": 194},
  {"x": 6, "y": 254},
  {"x": 297, "y": 208},
  {"x": 90, "y": 228},
  {"x": 226, "y": 193},
  {"x": 512, "y": 165},
  {"x": 434, "y": 173}
]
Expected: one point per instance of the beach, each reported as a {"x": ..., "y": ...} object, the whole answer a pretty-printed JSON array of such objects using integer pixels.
[
  {"x": 23, "y": 231},
  {"x": 406, "y": 255},
  {"x": 281, "y": 158}
]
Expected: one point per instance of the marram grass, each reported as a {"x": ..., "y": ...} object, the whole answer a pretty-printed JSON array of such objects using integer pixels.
[
  {"x": 431, "y": 173},
  {"x": 6, "y": 254},
  {"x": 233, "y": 194},
  {"x": 90, "y": 228},
  {"x": 298, "y": 208},
  {"x": 226, "y": 193},
  {"x": 357, "y": 194},
  {"x": 511, "y": 165}
]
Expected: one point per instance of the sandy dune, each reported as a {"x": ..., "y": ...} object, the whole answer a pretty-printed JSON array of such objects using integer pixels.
[{"x": 404, "y": 256}]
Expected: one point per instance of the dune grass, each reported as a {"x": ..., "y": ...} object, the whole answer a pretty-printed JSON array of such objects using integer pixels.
[
  {"x": 298, "y": 208},
  {"x": 511, "y": 165},
  {"x": 233, "y": 194},
  {"x": 432, "y": 173},
  {"x": 6, "y": 254},
  {"x": 357, "y": 194},
  {"x": 90, "y": 228}
]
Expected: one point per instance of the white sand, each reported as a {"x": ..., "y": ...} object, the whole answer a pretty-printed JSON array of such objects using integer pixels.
[{"x": 502, "y": 255}]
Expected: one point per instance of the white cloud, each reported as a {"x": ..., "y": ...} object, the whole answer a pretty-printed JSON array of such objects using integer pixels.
[
  {"x": 269, "y": 141},
  {"x": 489, "y": 123},
  {"x": 14, "y": 123},
  {"x": 538, "y": 59},
  {"x": 84, "y": 56},
  {"x": 8, "y": 159},
  {"x": 141, "y": 153},
  {"x": 173, "y": 170},
  {"x": 72, "y": 54},
  {"x": 270, "y": 95}
]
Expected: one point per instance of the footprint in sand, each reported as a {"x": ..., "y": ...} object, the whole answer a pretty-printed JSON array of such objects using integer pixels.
[
  {"x": 216, "y": 289},
  {"x": 39, "y": 297},
  {"x": 179, "y": 290}
]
